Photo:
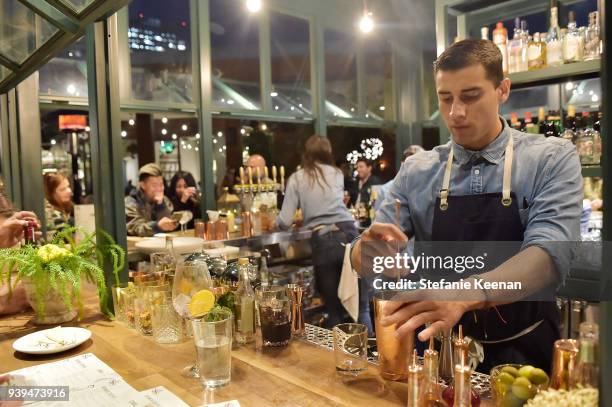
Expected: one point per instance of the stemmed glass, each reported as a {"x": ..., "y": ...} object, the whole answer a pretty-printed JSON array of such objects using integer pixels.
[{"x": 190, "y": 277}]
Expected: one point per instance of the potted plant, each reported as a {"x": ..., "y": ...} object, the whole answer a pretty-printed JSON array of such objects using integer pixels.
[{"x": 52, "y": 274}]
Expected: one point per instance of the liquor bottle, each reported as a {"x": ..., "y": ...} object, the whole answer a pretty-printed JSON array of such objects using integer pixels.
[
  {"x": 592, "y": 46},
  {"x": 536, "y": 53},
  {"x": 484, "y": 33},
  {"x": 29, "y": 233},
  {"x": 550, "y": 128},
  {"x": 586, "y": 373},
  {"x": 170, "y": 250},
  {"x": 514, "y": 121},
  {"x": 500, "y": 38},
  {"x": 415, "y": 383},
  {"x": 541, "y": 121},
  {"x": 524, "y": 46},
  {"x": 514, "y": 48},
  {"x": 245, "y": 304},
  {"x": 573, "y": 43},
  {"x": 530, "y": 127},
  {"x": 554, "y": 56},
  {"x": 569, "y": 132},
  {"x": 264, "y": 274}
]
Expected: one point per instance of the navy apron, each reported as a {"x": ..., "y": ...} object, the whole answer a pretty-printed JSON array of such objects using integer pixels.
[{"x": 521, "y": 332}]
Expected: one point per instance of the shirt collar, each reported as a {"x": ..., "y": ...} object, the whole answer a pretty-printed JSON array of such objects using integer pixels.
[{"x": 493, "y": 153}]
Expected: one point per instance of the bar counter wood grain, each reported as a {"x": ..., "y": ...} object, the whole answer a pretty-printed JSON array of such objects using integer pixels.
[{"x": 300, "y": 375}]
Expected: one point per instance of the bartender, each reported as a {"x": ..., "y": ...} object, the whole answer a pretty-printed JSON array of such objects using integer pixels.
[{"x": 489, "y": 183}]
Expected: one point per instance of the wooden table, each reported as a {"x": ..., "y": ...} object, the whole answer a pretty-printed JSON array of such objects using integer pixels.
[{"x": 300, "y": 375}]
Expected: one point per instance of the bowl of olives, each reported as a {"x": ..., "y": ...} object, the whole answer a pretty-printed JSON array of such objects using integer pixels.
[{"x": 512, "y": 385}]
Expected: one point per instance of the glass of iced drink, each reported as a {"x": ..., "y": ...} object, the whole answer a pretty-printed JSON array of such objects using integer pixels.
[{"x": 213, "y": 340}]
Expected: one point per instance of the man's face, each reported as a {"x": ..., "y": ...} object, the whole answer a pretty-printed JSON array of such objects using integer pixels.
[
  {"x": 363, "y": 170},
  {"x": 255, "y": 162},
  {"x": 469, "y": 104},
  {"x": 152, "y": 187}
]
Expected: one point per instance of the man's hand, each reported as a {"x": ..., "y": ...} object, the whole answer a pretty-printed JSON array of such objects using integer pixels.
[
  {"x": 11, "y": 231},
  {"x": 391, "y": 240},
  {"x": 441, "y": 315},
  {"x": 166, "y": 224}
]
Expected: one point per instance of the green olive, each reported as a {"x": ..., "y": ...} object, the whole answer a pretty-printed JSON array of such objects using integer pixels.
[
  {"x": 523, "y": 389},
  {"x": 511, "y": 369},
  {"x": 538, "y": 376},
  {"x": 510, "y": 400},
  {"x": 525, "y": 371}
]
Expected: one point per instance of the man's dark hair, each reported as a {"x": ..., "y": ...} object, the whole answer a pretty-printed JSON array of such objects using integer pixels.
[
  {"x": 472, "y": 52},
  {"x": 367, "y": 162}
]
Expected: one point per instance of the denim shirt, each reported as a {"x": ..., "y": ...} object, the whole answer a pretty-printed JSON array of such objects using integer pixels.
[{"x": 546, "y": 179}]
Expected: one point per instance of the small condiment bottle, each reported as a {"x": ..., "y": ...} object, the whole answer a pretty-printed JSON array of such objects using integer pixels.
[{"x": 415, "y": 383}]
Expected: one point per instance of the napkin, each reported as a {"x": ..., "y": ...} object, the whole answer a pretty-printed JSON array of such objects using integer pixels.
[{"x": 348, "y": 289}]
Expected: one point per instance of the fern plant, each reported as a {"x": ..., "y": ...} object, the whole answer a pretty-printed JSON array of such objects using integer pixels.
[{"x": 62, "y": 265}]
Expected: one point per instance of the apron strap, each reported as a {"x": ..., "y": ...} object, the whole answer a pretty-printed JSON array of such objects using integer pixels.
[
  {"x": 507, "y": 181},
  {"x": 506, "y": 200},
  {"x": 446, "y": 182}
]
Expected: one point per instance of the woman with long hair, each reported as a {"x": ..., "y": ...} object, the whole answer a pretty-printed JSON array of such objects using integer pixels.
[
  {"x": 59, "y": 209},
  {"x": 317, "y": 189},
  {"x": 183, "y": 193}
]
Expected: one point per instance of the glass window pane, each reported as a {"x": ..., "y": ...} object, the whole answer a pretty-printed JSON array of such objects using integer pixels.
[
  {"x": 290, "y": 54},
  {"x": 379, "y": 84},
  {"x": 340, "y": 74},
  {"x": 21, "y": 31},
  {"x": 66, "y": 74},
  {"x": 531, "y": 99},
  {"x": 160, "y": 51},
  {"x": 584, "y": 95},
  {"x": 234, "y": 38},
  {"x": 78, "y": 5},
  {"x": 349, "y": 142},
  {"x": 234, "y": 140}
]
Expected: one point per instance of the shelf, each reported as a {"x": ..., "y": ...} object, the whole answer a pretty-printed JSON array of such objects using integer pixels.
[
  {"x": 592, "y": 171},
  {"x": 556, "y": 74}
]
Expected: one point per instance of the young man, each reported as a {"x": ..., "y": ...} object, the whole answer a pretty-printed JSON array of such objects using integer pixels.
[
  {"x": 147, "y": 209},
  {"x": 366, "y": 179},
  {"x": 489, "y": 183}
]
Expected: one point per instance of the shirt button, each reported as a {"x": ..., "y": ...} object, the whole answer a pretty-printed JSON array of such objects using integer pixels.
[{"x": 477, "y": 171}]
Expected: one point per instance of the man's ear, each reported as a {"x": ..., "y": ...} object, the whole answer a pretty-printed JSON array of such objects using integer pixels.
[{"x": 503, "y": 90}]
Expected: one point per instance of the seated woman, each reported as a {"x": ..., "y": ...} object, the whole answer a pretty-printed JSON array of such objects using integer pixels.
[
  {"x": 59, "y": 209},
  {"x": 184, "y": 195}
]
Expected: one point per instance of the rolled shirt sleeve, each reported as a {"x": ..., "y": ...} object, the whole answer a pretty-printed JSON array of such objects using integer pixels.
[
  {"x": 291, "y": 202},
  {"x": 553, "y": 221}
]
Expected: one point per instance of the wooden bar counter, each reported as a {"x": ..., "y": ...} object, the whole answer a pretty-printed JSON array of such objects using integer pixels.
[{"x": 301, "y": 374}]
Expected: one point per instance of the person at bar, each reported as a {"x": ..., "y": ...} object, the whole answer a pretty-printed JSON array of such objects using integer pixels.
[
  {"x": 148, "y": 210},
  {"x": 489, "y": 183},
  {"x": 59, "y": 209},
  {"x": 318, "y": 190},
  {"x": 184, "y": 195},
  {"x": 366, "y": 180},
  {"x": 256, "y": 161}
]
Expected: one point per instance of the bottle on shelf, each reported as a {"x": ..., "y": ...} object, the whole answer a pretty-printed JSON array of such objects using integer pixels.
[
  {"x": 569, "y": 132},
  {"x": 514, "y": 121},
  {"x": 500, "y": 38},
  {"x": 515, "y": 48},
  {"x": 550, "y": 128},
  {"x": 484, "y": 33},
  {"x": 244, "y": 304},
  {"x": 554, "y": 56},
  {"x": 524, "y": 46},
  {"x": 573, "y": 42},
  {"x": 586, "y": 373},
  {"x": 264, "y": 274},
  {"x": 536, "y": 53},
  {"x": 530, "y": 126},
  {"x": 541, "y": 120},
  {"x": 592, "y": 45}
]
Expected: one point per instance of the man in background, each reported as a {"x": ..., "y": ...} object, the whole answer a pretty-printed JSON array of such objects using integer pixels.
[
  {"x": 366, "y": 180},
  {"x": 147, "y": 209}
]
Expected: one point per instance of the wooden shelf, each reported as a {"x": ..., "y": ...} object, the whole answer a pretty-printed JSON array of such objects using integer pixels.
[
  {"x": 577, "y": 70},
  {"x": 592, "y": 171}
]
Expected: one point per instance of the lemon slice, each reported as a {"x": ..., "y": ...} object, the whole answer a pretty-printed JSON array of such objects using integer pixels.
[{"x": 201, "y": 303}]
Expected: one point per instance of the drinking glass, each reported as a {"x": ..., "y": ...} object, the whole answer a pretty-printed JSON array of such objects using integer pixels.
[
  {"x": 123, "y": 295},
  {"x": 350, "y": 348},
  {"x": 167, "y": 324},
  {"x": 565, "y": 360},
  {"x": 149, "y": 295},
  {"x": 213, "y": 342},
  {"x": 163, "y": 264},
  {"x": 275, "y": 321},
  {"x": 190, "y": 277}
]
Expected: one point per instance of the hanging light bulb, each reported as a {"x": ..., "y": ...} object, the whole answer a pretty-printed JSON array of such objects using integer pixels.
[
  {"x": 366, "y": 24},
  {"x": 253, "y": 5}
]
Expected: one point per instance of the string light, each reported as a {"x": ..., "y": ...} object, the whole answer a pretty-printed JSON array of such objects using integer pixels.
[
  {"x": 253, "y": 5},
  {"x": 366, "y": 24}
]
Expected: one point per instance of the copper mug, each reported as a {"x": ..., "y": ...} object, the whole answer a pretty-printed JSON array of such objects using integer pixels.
[
  {"x": 393, "y": 353},
  {"x": 247, "y": 224},
  {"x": 211, "y": 230},
  {"x": 221, "y": 231},
  {"x": 199, "y": 229}
]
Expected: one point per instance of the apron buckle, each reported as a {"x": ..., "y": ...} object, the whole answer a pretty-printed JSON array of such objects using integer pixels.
[
  {"x": 443, "y": 206},
  {"x": 506, "y": 201}
]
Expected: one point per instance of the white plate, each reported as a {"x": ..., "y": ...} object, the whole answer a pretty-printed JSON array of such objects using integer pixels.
[
  {"x": 37, "y": 343},
  {"x": 182, "y": 245}
]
